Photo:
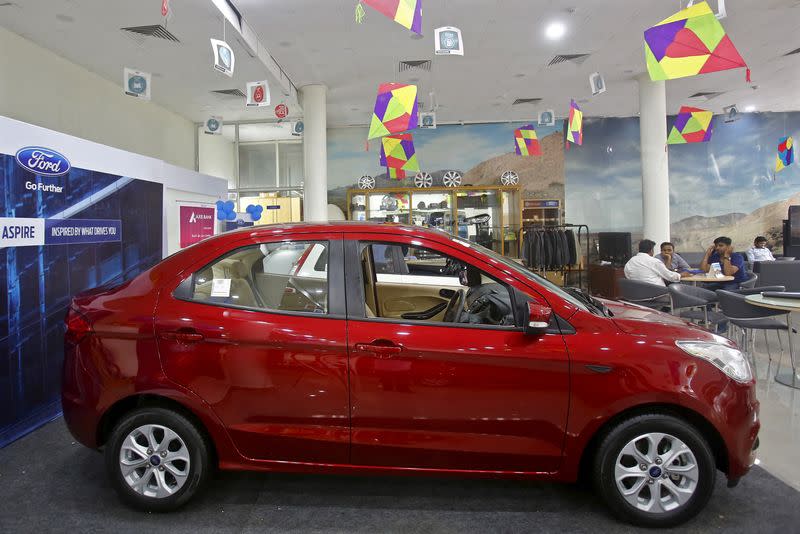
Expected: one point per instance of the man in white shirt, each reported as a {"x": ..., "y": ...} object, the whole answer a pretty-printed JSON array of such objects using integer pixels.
[
  {"x": 644, "y": 267},
  {"x": 759, "y": 251}
]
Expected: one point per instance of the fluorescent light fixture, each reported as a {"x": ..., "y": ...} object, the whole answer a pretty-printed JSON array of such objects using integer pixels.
[
  {"x": 230, "y": 13},
  {"x": 555, "y": 30},
  {"x": 749, "y": 109}
]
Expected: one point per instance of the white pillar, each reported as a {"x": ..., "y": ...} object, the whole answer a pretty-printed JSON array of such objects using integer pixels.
[
  {"x": 315, "y": 152},
  {"x": 655, "y": 169}
]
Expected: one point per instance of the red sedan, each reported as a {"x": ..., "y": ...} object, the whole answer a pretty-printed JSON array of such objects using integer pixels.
[{"x": 371, "y": 348}]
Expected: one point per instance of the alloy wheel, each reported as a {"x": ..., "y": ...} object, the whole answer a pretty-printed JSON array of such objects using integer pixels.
[
  {"x": 154, "y": 461},
  {"x": 656, "y": 473}
]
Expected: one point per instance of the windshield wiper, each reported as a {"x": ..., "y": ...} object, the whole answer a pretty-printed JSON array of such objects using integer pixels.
[{"x": 590, "y": 300}]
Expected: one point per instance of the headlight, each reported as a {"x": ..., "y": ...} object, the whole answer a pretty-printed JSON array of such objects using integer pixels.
[{"x": 729, "y": 360}]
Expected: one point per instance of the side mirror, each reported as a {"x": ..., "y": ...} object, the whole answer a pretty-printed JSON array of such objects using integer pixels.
[{"x": 538, "y": 319}]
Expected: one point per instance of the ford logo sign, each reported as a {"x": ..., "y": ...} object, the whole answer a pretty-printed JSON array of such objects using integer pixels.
[
  {"x": 42, "y": 161},
  {"x": 137, "y": 84}
]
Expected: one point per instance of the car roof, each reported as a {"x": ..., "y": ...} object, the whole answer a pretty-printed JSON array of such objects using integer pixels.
[{"x": 335, "y": 226}]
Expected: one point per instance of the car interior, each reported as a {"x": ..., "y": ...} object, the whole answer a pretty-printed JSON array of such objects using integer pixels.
[
  {"x": 417, "y": 284},
  {"x": 282, "y": 276}
]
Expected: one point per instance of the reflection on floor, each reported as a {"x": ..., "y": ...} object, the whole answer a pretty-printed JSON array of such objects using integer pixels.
[{"x": 779, "y": 448}]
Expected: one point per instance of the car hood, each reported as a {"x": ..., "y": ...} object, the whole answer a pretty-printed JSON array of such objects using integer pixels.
[{"x": 638, "y": 320}]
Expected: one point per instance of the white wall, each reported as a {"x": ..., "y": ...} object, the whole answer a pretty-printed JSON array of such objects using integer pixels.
[
  {"x": 216, "y": 157},
  {"x": 41, "y": 88}
]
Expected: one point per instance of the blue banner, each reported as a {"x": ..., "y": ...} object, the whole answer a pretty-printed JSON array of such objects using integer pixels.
[{"x": 69, "y": 231}]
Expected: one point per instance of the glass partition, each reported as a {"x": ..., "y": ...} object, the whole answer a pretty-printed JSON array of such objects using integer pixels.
[{"x": 479, "y": 217}]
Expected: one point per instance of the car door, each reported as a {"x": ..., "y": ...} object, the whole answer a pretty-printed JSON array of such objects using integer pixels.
[
  {"x": 258, "y": 332},
  {"x": 431, "y": 394}
]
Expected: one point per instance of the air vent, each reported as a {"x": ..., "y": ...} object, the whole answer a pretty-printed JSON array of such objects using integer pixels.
[
  {"x": 793, "y": 52},
  {"x": 230, "y": 92},
  {"x": 418, "y": 64},
  {"x": 156, "y": 30},
  {"x": 574, "y": 58},
  {"x": 526, "y": 101},
  {"x": 707, "y": 94}
]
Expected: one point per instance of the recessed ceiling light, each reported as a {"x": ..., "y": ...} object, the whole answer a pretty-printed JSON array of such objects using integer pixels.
[
  {"x": 519, "y": 75},
  {"x": 64, "y": 18},
  {"x": 555, "y": 30},
  {"x": 749, "y": 109}
]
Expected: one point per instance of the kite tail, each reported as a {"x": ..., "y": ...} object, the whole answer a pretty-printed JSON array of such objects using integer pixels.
[{"x": 747, "y": 75}]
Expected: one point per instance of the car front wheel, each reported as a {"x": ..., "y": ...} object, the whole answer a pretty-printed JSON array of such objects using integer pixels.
[
  {"x": 156, "y": 459},
  {"x": 655, "y": 470}
]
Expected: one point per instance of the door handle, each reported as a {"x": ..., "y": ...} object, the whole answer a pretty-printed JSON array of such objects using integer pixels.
[
  {"x": 385, "y": 349},
  {"x": 183, "y": 336}
]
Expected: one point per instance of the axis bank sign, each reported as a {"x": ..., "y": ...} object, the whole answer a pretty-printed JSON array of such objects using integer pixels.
[{"x": 42, "y": 161}]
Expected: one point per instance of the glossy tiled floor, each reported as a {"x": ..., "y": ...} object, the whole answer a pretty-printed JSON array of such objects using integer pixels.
[{"x": 779, "y": 449}]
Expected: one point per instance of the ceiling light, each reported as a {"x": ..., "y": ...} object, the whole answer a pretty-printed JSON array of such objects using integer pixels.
[
  {"x": 749, "y": 109},
  {"x": 555, "y": 30}
]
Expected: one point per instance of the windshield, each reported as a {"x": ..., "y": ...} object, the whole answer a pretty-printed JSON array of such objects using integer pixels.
[{"x": 530, "y": 275}]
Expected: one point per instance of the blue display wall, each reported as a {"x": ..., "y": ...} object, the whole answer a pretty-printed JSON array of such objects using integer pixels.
[{"x": 40, "y": 280}]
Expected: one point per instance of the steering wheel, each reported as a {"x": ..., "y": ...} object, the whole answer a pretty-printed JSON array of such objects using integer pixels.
[
  {"x": 454, "y": 308},
  {"x": 479, "y": 304}
]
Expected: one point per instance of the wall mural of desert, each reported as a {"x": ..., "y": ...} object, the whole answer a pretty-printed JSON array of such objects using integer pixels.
[
  {"x": 483, "y": 152},
  {"x": 727, "y": 186}
]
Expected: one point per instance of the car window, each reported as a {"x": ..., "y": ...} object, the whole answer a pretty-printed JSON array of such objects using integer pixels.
[
  {"x": 419, "y": 284},
  {"x": 285, "y": 276}
]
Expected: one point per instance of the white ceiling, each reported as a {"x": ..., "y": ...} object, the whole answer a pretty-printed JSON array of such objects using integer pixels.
[{"x": 506, "y": 53}]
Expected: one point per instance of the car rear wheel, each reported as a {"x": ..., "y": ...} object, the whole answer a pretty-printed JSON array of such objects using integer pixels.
[
  {"x": 655, "y": 470},
  {"x": 156, "y": 459}
]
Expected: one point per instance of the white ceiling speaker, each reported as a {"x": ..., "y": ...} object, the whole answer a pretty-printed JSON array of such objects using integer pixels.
[
  {"x": 366, "y": 182},
  {"x": 423, "y": 179},
  {"x": 509, "y": 178},
  {"x": 597, "y": 83},
  {"x": 451, "y": 179}
]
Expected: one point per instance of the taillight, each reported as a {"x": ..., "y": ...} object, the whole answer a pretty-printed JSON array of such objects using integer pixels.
[{"x": 78, "y": 327}]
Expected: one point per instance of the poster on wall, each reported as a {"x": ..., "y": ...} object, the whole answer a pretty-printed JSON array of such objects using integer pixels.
[
  {"x": 197, "y": 223},
  {"x": 224, "y": 60},
  {"x": 136, "y": 83},
  {"x": 257, "y": 94},
  {"x": 78, "y": 230}
]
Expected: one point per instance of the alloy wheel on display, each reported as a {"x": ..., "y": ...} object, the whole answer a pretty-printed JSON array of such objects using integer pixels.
[
  {"x": 509, "y": 178},
  {"x": 154, "y": 461},
  {"x": 366, "y": 182},
  {"x": 423, "y": 179},
  {"x": 451, "y": 179},
  {"x": 656, "y": 473}
]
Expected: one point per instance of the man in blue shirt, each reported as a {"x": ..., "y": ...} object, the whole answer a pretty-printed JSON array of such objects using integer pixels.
[{"x": 731, "y": 263}]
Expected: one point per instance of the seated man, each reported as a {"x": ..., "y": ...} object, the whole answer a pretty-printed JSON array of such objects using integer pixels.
[
  {"x": 731, "y": 264},
  {"x": 672, "y": 259},
  {"x": 646, "y": 268},
  {"x": 759, "y": 251}
]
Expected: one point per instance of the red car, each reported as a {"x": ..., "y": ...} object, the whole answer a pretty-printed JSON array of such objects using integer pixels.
[{"x": 376, "y": 348}]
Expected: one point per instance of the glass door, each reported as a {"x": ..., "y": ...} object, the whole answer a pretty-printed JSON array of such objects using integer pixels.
[{"x": 479, "y": 217}]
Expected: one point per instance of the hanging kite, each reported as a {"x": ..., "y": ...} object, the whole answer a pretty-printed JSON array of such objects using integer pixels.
[
  {"x": 785, "y": 153},
  {"x": 688, "y": 43},
  {"x": 526, "y": 141},
  {"x": 398, "y": 155},
  {"x": 407, "y": 13},
  {"x": 692, "y": 125},
  {"x": 395, "y": 110},
  {"x": 575, "y": 124}
]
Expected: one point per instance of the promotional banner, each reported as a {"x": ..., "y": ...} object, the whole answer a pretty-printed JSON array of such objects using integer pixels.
[
  {"x": 136, "y": 83},
  {"x": 197, "y": 223},
  {"x": 224, "y": 59},
  {"x": 257, "y": 94},
  {"x": 63, "y": 230}
]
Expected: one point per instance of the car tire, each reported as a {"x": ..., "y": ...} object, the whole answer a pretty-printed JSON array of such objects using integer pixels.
[
  {"x": 170, "y": 456},
  {"x": 682, "y": 480}
]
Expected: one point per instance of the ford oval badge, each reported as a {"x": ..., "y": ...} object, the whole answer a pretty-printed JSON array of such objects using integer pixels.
[{"x": 42, "y": 161}]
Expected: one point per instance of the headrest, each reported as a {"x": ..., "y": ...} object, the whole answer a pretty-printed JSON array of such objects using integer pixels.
[
  {"x": 470, "y": 277},
  {"x": 238, "y": 269}
]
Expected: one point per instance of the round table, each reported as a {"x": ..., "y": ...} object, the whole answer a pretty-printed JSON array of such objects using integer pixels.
[
  {"x": 706, "y": 278},
  {"x": 790, "y": 377}
]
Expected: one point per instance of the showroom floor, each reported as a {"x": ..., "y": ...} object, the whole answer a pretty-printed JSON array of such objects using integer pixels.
[{"x": 50, "y": 483}]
